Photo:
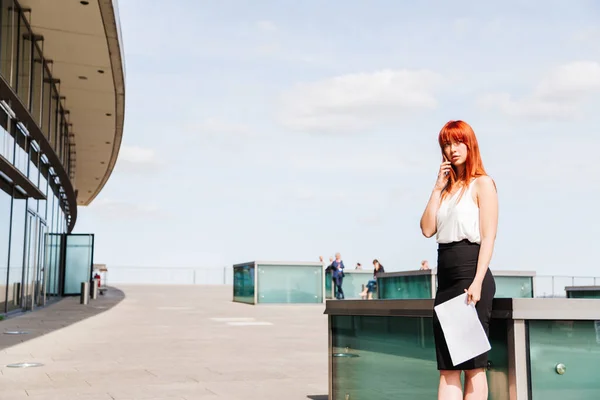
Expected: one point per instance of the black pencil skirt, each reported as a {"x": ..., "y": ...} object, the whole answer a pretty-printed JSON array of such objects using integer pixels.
[{"x": 456, "y": 268}]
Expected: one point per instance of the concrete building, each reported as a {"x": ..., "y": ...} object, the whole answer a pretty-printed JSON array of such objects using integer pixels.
[{"x": 62, "y": 94}]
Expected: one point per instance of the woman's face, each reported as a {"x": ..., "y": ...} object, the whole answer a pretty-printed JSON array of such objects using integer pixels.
[
  {"x": 338, "y": 256},
  {"x": 376, "y": 265},
  {"x": 456, "y": 152}
]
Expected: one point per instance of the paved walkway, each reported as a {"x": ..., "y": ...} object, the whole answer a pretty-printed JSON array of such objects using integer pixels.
[{"x": 166, "y": 342}]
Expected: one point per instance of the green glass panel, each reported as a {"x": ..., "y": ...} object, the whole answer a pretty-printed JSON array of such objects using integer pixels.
[
  {"x": 583, "y": 294},
  {"x": 405, "y": 287},
  {"x": 353, "y": 283},
  {"x": 78, "y": 264},
  {"x": 328, "y": 286},
  {"x": 243, "y": 284},
  {"x": 576, "y": 344},
  {"x": 290, "y": 284},
  {"x": 379, "y": 358},
  {"x": 513, "y": 286}
]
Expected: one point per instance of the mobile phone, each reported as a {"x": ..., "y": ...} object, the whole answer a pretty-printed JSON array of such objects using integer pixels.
[{"x": 446, "y": 160}]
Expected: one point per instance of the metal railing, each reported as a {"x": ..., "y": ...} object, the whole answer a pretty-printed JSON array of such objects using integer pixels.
[
  {"x": 169, "y": 275},
  {"x": 545, "y": 285},
  {"x": 554, "y": 285}
]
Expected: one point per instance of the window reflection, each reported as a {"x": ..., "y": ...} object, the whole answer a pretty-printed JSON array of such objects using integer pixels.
[
  {"x": 5, "y": 200},
  {"x": 24, "y": 62},
  {"x": 17, "y": 246},
  {"x": 37, "y": 83},
  {"x": 7, "y": 35},
  {"x": 46, "y": 96}
]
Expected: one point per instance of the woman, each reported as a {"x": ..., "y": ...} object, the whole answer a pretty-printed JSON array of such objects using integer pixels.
[
  {"x": 463, "y": 212},
  {"x": 372, "y": 284}
]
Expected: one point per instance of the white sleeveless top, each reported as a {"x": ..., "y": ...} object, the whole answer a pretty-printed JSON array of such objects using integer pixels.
[{"x": 458, "y": 219}]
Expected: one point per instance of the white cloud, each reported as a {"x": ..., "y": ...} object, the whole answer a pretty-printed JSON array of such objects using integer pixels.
[
  {"x": 138, "y": 155},
  {"x": 371, "y": 220},
  {"x": 461, "y": 25},
  {"x": 217, "y": 127},
  {"x": 109, "y": 208},
  {"x": 360, "y": 101},
  {"x": 560, "y": 94},
  {"x": 590, "y": 34},
  {"x": 266, "y": 26},
  {"x": 570, "y": 82},
  {"x": 354, "y": 162},
  {"x": 138, "y": 159}
]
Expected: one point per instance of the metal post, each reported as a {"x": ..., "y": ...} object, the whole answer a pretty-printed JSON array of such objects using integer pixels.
[
  {"x": 518, "y": 376},
  {"x": 85, "y": 293},
  {"x": 17, "y": 293},
  {"x": 94, "y": 289},
  {"x": 330, "y": 357}
]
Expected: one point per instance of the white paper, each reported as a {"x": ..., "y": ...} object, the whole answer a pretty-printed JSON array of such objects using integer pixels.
[{"x": 463, "y": 331}]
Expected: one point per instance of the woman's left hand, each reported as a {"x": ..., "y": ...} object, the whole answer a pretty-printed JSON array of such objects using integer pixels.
[{"x": 473, "y": 293}]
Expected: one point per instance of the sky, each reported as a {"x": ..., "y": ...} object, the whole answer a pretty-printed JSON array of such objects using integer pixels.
[{"x": 285, "y": 130}]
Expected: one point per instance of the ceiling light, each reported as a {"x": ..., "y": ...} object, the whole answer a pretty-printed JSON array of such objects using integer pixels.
[
  {"x": 100, "y": 71},
  {"x": 108, "y": 114},
  {"x": 85, "y": 3},
  {"x": 107, "y": 142},
  {"x": 83, "y": 78},
  {"x": 102, "y": 162}
]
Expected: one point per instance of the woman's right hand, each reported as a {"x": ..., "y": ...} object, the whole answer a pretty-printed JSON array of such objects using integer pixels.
[{"x": 443, "y": 175}]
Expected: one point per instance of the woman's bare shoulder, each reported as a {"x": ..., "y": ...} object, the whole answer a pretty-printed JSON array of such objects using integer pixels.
[{"x": 485, "y": 183}]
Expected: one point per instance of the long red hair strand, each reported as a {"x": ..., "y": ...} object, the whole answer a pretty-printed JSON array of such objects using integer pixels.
[{"x": 462, "y": 132}]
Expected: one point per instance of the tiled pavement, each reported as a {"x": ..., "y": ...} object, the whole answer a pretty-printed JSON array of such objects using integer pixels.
[{"x": 166, "y": 342}]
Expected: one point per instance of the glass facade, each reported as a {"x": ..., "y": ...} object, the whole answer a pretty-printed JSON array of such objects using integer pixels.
[
  {"x": 394, "y": 358},
  {"x": 33, "y": 215},
  {"x": 290, "y": 283}
]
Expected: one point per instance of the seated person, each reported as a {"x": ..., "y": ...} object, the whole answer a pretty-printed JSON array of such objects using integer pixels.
[{"x": 372, "y": 284}]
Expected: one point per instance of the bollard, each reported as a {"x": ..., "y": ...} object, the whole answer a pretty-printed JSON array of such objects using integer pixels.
[
  {"x": 85, "y": 293},
  {"x": 94, "y": 289},
  {"x": 17, "y": 293}
]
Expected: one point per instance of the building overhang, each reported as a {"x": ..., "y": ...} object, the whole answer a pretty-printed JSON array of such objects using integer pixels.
[{"x": 83, "y": 40}]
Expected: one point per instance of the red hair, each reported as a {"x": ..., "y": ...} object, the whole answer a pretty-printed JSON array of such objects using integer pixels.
[{"x": 462, "y": 132}]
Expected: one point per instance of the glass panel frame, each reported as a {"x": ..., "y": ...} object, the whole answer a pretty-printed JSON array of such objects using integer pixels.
[
  {"x": 289, "y": 284},
  {"x": 79, "y": 259},
  {"x": 244, "y": 284}
]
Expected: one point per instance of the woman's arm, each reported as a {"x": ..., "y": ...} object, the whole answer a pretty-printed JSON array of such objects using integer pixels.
[
  {"x": 428, "y": 220},
  {"x": 487, "y": 198},
  {"x": 488, "y": 223}
]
